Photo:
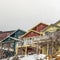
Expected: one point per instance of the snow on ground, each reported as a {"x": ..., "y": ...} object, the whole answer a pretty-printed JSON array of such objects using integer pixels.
[
  {"x": 42, "y": 56},
  {"x": 30, "y": 57},
  {"x": 33, "y": 57}
]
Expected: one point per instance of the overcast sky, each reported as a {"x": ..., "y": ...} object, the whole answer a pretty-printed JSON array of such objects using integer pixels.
[{"x": 24, "y": 14}]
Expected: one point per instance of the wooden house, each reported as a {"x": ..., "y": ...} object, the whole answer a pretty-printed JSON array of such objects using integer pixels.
[
  {"x": 3, "y": 35},
  {"x": 10, "y": 41},
  {"x": 53, "y": 46},
  {"x": 46, "y": 39},
  {"x": 29, "y": 37}
]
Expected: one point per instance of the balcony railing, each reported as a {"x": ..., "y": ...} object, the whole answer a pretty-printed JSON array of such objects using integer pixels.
[{"x": 30, "y": 40}]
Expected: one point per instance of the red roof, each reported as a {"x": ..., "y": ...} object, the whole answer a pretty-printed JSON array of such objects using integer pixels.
[
  {"x": 31, "y": 34},
  {"x": 39, "y": 27},
  {"x": 5, "y": 34}
]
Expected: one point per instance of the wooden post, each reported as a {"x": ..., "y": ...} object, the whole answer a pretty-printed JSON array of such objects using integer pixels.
[
  {"x": 52, "y": 47},
  {"x": 26, "y": 50},
  {"x": 41, "y": 52},
  {"x": 22, "y": 50},
  {"x": 16, "y": 50},
  {"x": 1, "y": 45},
  {"x": 47, "y": 50},
  {"x": 37, "y": 49}
]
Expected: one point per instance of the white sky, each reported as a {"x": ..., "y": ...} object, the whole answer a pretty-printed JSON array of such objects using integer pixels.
[{"x": 24, "y": 14}]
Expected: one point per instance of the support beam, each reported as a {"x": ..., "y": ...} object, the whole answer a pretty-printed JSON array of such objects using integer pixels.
[
  {"x": 47, "y": 48},
  {"x": 26, "y": 50},
  {"x": 52, "y": 47}
]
